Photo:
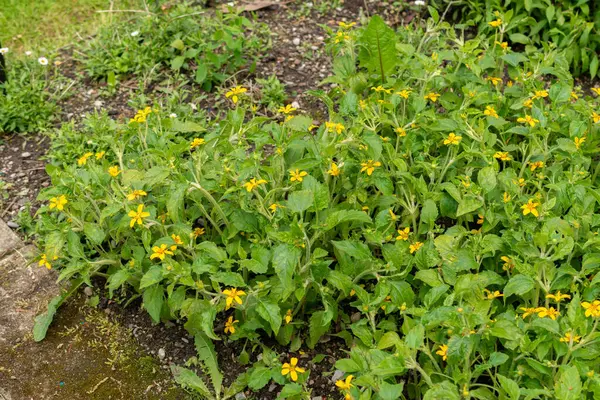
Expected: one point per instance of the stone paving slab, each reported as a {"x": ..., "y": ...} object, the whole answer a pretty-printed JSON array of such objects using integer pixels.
[{"x": 9, "y": 241}]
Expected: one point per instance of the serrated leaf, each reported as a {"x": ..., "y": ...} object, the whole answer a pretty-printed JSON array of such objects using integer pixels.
[
  {"x": 208, "y": 357},
  {"x": 300, "y": 201},
  {"x": 270, "y": 312}
]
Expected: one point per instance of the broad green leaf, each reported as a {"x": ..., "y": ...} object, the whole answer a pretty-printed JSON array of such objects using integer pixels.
[
  {"x": 486, "y": 179},
  {"x": 318, "y": 325},
  {"x": 519, "y": 285},
  {"x": 270, "y": 312},
  {"x": 338, "y": 217},
  {"x": 510, "y": 387},
  {"x": 208, "y": 357},
  {"x": 300, "y": 201},
  {"x": 154, "y": 298},
  {"x": 414, "y": 338},
  {"x": 285, "y": 259},
  {"x": 568, "y": 385},
  {"x": 259, "y": 377},
  {"x": 175, "y": 202},
  {"x": 468, "y": 205},
  {"x": 153, "y": 276},
  {"x": 429, "y": 212},
  {"x": 43, "y": 321},
  {"x": 378, "y": 51}
]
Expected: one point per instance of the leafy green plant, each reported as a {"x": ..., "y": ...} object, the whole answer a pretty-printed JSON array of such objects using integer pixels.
[
  {"x": 572, "y": 26},
  {"x": 442, "y": 221},
  {"x": 272, "y": 92},
  {"x": 28, "y": 98},
  {"x": 207, "y": 48}
]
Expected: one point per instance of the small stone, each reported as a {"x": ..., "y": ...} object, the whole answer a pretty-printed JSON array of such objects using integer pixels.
[
  {"x": 98, "y": 103},
  {"x": 296, "y": 41},
  {"x": 240, "y": 396},
  {"x": 272, "y": 387},
  {"x": 337, "y": 375},
  {"x": 355, "y": 317},
  {"x": 161, "y": 353},
  {"x": 295, "y": 104},
  {"x": 184, "y": 340},
  {"x": 88, "y": 291},
  {"x": 26, "y": 154},
  {"x": 12, "y": 225}
]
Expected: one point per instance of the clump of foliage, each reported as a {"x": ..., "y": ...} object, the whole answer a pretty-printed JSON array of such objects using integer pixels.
[
  {"x": 208, "y": 48},
  {"x": 28, "y": 97},
  {"x": 571, "y": 25},
  {"x": 442, "y": 222}
]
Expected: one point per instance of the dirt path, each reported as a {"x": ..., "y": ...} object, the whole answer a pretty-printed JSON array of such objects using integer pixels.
[{"x": 86, "y": 354}]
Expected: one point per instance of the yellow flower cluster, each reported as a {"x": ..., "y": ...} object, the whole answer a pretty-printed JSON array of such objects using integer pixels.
[{"x": 141, "y": 115}]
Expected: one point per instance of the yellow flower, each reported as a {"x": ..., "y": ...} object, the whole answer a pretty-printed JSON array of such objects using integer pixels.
[
  {"x": 534, "y": 165},
  {"x": 160, "y": 252},
  {"x": 333, "y": 126},
  {"x": 400, "y": 131},
  {"x": 369, "y": 166},
  {"x": 341, "y": 36},
  {"x": 466, "y": 182},
  {"x": 496, "y": 23},
  {"x": 235, "y": 92},
  {"x": 432, "y": 96},
  {"x": 495, "y": 81},
  {"x": 229, "y": 327},
  {"x": 508, "y": 263},
  {"x": 137, "y": 216},
  {"x": 520, "y": 182},
  {"x": 551, "y": 312},
  {"x": 292, "y": 369},
  {"x": 345, "y": 25},
  {"x": 492, "y": 295},
  {"x": 574, "y": 95},
  {"x": 558, "y": 297},
  {"x": 481, "y": 219},
  {"x": 196, "y": 142},
  {"x": 135, "y": 194},
  {"x": 297, "y": 175},
  {"x": 177, "y": 239},
  {"x": 570, "y": 337},
  {"x": 504, "y": 45},
  {"x": 506, "y": 197},
  {"x": 312, "y": 127},
  {"x": 490, "y": 112},
  {"x": 114, "y": 171},
  {"x": 198, "y": 232},
  {"x": 141, "y": 115},
  {"x": 58, "y": 202},
  {"x": 403, "y": 234},
  {"x": 288, "y": 316},
  {"x": 596, "y": 90},
  {"x": 404, "y": 93},
  {"x": 334, "y": 170},
  {"x": 44, "y": 261},
  {"x": 253, "y": 183},
  {"x": 273, "y": 207},
  {"x": 530, "y": 207},
  {"x": 287, "y": 109},
  {"x": 233, "y": 295},
  {"x": 100, "y": 154},
  {"x": 596, "y": 117},
  {"x": 528, "y": 119},
  {"x": 502, "y": 155},
  {"x": 540, "y": 94},
  {"x": 528, "y": 311},
  {"x": 452, "y": 139},
  {"x": 579, "y": 141},
  {"x": 380, "y": 88},
  {"x": 83, "y": 159},
  {"x": 415, "y": 246},
  {"x": 443, "y": 351},
  {"x": 345, "y": 385},
  {"x": 591, "y": 309},
  {"x": 528, "y": 103}
]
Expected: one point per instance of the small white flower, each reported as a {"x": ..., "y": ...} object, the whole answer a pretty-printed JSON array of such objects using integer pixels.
[
  {"x": 4, "y": 50},
  {"x": 172, "y": 115},
  {"x": 419, "y": 3},
  {"x": 28, "y": 53},
  {"x": 193, "y": 106},
  {"x": 135, "y": 33},
  {"x": 43, "y": 60}
]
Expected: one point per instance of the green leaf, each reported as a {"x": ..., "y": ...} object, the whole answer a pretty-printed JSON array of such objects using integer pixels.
[
  {"x": 290, "y": 390},
  {"x": 214, "y": 252},
  {"x": 338, "y": 217},
  {"x": 154, "y": 298},
  {"x": 175, "y": 201},
  {"x": 270, "y": 312},
  {"x": 43, "y": 321},
  {"x": 486, "y": 179},
  {"x": 177, "y": 62},
  {"x": 208, "y": 356},
  {"x": 94, "y": 233},
  {"x": 318, "y": 325},
  {"x": 510, "y": 387},
  {"x": 154, "y": 275},
  {"x": 378, "y": 53},
  {"x": 188, "y": 379},
  {"x": 468, "y": 205},
  {"x": 117, "y": 279},
  {"x": 429, "y": 212},
  {"x": 201, "y": 73},
  {"x": 254, "y": 266},
  {"x": 519, "y": 285},
  {"x": 228, "y": 278},
  {"x": 156, "y": 175},
  {"x": 300, "y": 201},
  {"x": 259, "y": 377},
  {"x": 178, "y": 44},
  {"x": 186, "y": 126},
  {"x": 388, "y": 340},
  {"x": 506, "y": 330},
  {"x": 388, "y": 391},
  {"x": 414, "y": 338},
  {"x": 568, "y": 385},
  {"x": 444, "y": 390},
  {"x": 285, "y": 259},
  {"x": 519, "y": 38}
]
